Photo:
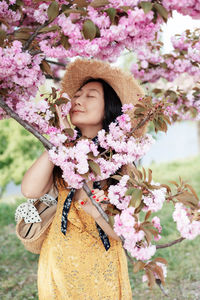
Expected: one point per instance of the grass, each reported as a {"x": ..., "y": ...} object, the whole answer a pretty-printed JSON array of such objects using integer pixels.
[{"x": 18, "y": 267}]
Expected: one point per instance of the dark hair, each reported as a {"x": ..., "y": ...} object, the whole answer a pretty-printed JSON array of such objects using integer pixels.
[{"x": 112, "y": 109}]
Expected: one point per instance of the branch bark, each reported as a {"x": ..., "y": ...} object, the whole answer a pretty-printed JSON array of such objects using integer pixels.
[
  {"x": 170, "y": 244},
  {"x": 55, "y": 63}
]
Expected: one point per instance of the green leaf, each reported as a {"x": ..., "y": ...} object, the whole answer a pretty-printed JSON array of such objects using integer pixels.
[
  {"x": 192, "y": 190},
  {"x": 69, "y": 11},
  {"x": 89, "y": 30},
  {"x": 61, "y": 101},
  {"x": 129, "y": 192},
  {"x": 136, "y": 198},
  {"x": 164, "y": 65},
  {"x": 151, "y": 278},
  {"x": 65, "y": 42},
  {"x": 2, "y": 37},
  {"x": 49, "y": 29},
  {"x": 22, "y": 35},
  {"x": 149, "y": 176},
  {"x": 94, "y": 167},
  {"x": 139, "y": 265},
  {"x": 146, "y": 6},
  {"x": 167, "y": 187},
  {"x": 147, "y": 215},
  {"x": 65, "y": 6},
  {"x": 111, "y": 13},
  {"x": 53, "y": 10},
  {"x": 161, "y": 11},
  {"x": 139, "y": 110},
  {"x": 99, "y": 3},
  {"x": 117, "y": 177},
  {"x": 69, "y": 131},
  {"x": 111, "y": 221},
  {"x": 45, "y": 67},
  {"x": 161, "y": 260},
  {"x": 188, "y": 198},
  {"x": 81, "y": 3}
]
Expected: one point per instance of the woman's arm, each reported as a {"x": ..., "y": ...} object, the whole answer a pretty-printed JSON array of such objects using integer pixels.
[
  {"x": 107, "y": 228},
  {"x": 39, "y": 178}
]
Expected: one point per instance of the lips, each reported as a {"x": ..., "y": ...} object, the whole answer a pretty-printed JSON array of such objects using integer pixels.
[{"x": 73, "y": 111}]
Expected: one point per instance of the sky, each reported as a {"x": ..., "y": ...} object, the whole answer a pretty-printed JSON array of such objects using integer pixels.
[{"x": 176, "y": 25}]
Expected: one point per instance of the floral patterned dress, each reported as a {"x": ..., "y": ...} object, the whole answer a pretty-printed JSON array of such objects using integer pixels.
[{"x": 84, "y": 263}]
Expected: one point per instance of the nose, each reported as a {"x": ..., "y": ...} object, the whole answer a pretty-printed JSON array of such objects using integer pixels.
[{"x": 78, "y": 100}]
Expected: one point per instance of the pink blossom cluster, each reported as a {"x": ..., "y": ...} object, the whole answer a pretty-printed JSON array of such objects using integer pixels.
[
  {"x": 20, "y": 75},
  {"x": 152, "y": 66},
  {"x": 116, "y": 194},
  {"x": 185, "y": 7},
  {"x": 7, "y": 14},
  {"x": 156, "y": 223},
  {"x": 183, "y": 108},
  {"x": 31, "y": 112},
  {"x": 126, "y": 152},
  {"x": 76, "y": 163},
  {"x": 73, "y": 161},
  {"x": 132, "y": 30},
  {"x": 188, "y": 227},
  {"x": 155, "y": 199},
  {"x": 126, "y": 224},
  {"x": 134, "y": 242},
  {"x": 39, "y": 115}
]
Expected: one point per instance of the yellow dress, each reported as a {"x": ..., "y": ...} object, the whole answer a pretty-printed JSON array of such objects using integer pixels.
[{"x": 76, "y": 266}]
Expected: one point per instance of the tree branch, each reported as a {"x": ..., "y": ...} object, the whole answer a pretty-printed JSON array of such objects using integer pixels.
[
  {"x": 48, "y": 145},
  {"x": 140, "y": 124},
  {"x": 32, "y": 37},
  {"x": 170, "y": 244},
  {"x": 55, "y": 63}
]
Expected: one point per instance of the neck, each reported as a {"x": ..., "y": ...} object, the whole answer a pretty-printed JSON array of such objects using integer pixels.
[{"x": 90, "y": 131}]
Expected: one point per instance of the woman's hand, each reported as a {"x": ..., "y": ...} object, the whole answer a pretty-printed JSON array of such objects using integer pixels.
[
  {"x": 63, "y": 122},
  {"x": 89, "y": 208}
]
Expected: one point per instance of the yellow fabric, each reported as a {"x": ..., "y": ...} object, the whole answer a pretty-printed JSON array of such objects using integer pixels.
[{"x": 77, "y": 266}]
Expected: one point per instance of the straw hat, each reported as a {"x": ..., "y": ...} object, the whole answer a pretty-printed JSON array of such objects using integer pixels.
[{"x": 126, "y": 87}]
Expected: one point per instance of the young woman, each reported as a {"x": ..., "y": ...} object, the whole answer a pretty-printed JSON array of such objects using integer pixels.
[{"x": 82, "y": 258}]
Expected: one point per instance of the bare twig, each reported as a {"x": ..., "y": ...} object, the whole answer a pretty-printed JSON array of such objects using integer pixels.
[
  {"x": 140, "y": 124},
  {"x": 170, "y": 244},
  {"x": 33, "y": 36},
  {"x": 55, "y": 63}
]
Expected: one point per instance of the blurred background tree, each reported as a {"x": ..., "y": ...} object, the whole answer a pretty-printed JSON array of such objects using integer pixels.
[{"x": 18, "y": 150}]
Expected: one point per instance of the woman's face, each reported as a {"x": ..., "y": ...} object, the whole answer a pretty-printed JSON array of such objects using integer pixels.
[{"x": 88, "y": 107}]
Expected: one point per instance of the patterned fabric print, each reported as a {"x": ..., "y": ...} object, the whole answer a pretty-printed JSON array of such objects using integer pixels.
[
  {"x": 65, "y": 211},
  {"x": 76, "y": 266},
  {"x": 28, "y": 211}
]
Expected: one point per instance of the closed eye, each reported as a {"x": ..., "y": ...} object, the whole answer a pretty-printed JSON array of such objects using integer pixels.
[{"x": 76, "y": 96}]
